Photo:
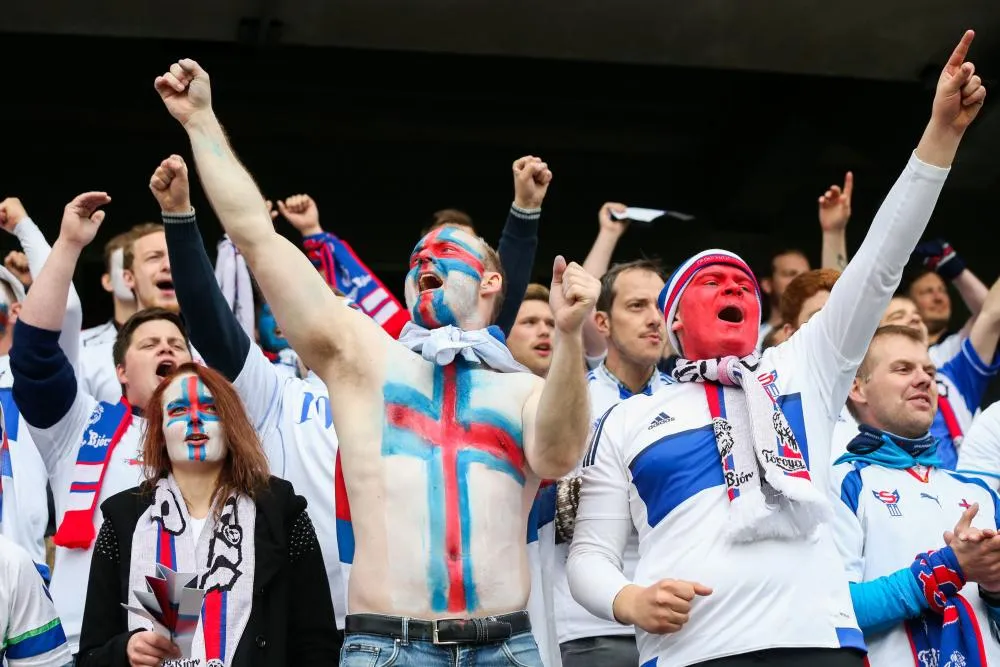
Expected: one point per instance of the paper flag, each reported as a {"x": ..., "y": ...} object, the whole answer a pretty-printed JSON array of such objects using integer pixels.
[
  {"x": 648, "y": 215},
  {"x": 173, "y": 604}
]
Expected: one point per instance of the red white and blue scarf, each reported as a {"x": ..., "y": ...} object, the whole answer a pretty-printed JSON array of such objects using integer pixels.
[
  {"x": 222, "y": 555},
  {"x": 947, "y": 633}
]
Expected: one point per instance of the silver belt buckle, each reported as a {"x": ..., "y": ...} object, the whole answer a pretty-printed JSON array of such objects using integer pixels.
[{"x": 435, "y": 638}]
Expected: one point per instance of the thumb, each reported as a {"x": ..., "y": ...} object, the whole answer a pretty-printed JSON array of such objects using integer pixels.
[
  {"x": 955, "y": 81},
  {"x": 558, "y": 269},
  {"x": 98, "y": 217},
  {"x": 701, "y": 589},
  {"x": 281, "y": 207},
  {"x": 949, "y": 537}
]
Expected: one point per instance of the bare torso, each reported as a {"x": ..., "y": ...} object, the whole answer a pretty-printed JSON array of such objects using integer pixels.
[{"x": 439, "y": 488}]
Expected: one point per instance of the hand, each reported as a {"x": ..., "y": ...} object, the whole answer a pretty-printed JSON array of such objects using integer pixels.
[
  {"x": 573, "y": 295},
  {"x": 11, "y": 213},
  {"x": 977, "y": 551},
  {"x": 169, "y": 184},
  {"x": 81, "y": 219},
  {"x": 835, "y": 206},
  {"x": 531, "y": 182},
  {"x": 960, "y": 91},
  {"x": 607, "y": 223},
  {"x": 17, "y": 263},
  {"x": 185, "y": 90},
  {"x": 661, "y": 608},
  {"x": 302, "y": 212},
  {"x": 148, "y": 649},
  {"x": 938, "y": 256}
]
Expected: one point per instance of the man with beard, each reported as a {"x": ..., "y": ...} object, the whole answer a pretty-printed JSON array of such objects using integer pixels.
[
  {"x": 738, "y": 563},
  {"x": 442, "y": 441}
]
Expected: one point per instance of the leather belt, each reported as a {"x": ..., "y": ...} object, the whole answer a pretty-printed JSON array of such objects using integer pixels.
[{"x": 483, "y": 630}]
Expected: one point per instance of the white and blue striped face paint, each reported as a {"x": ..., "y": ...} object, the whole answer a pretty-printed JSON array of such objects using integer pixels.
[{"x": 191, "y": 425}]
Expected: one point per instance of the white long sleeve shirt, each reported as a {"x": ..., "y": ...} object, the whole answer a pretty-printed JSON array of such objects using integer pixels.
[{"x": 663, "y": 477}]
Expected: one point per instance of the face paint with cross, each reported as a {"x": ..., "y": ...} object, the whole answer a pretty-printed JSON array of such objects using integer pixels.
[
  {"x": 442, "y": 286},
  {"x": 191, "y": 425}
]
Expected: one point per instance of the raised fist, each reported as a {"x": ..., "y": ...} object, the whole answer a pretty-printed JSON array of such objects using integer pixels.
[
  {"x": 531, "y": 182},
  {"x": 302, "y": 212},
  {"x": 573, "y": 295},
  {"x": 835, "y": 205},
  {"x": 169, "y": 184},
  {"x": 17, "y": 263},
  {"x": 11, "y": 213},
  {"x": 81, "y": 218},
  {"x": 185, "y": 90},
  {"x": 960, "y": 91}
]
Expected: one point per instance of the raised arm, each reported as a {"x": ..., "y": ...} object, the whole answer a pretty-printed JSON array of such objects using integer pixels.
[
  {"x": 519, "y": 239},
  {"x": 597, "y": 263},
  {"x": 331, "y": 338},
  {"x": 836, "y": 339},
  {"x": 834, "y": 212},
  {"x": 557, "y": 417}
]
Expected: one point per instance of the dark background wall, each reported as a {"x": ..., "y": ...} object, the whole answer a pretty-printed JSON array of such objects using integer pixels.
[{"x": 382, "y": 139}]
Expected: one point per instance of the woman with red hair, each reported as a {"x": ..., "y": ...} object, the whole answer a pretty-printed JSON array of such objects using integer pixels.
[{"x": 208, "y": 507}]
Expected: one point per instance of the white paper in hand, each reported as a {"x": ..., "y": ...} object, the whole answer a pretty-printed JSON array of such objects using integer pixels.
[{"x": 649, "y": 214}]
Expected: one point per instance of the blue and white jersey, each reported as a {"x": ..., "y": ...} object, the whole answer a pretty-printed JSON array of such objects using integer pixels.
[
  {"x": 893, "y": 516},
  {"x": 30, "y": 632},
  {"x": 572, "y": 620}
]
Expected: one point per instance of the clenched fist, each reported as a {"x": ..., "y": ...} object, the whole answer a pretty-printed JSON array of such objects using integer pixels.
[
  {"x": 81, "y": 218},
  {"x": 573, "y": 295},
  {"x": 185, "y": 90},
  {"x": 169, "y": 184},
  {"x": 658, "y": 609},
  {"x": 302, "y": 212},
  {"x": 17, "y": 263},
  {"x": 531, "y": 182},
  {"x": 11, "y": 213}
]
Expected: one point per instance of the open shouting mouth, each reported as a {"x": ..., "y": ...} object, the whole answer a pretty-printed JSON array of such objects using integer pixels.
[
  {"x": 731, "y": 314},
  {"x": 428, "y": 281}
]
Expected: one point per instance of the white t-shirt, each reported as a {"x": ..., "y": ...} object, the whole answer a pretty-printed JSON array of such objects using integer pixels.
[
  {"x": 25, "y": 502},
  {"x": 30, "y": 632},
  {"x": 879, "y": 537},
  {"x": 58, "y": 446},
  {"x": 981, "y": 448},
  {"x": 655, "y": 467},
  {"x": 295, "y": 424},
  {"x": 97, "y": 367},
  {"x": 572, "y": 620}
]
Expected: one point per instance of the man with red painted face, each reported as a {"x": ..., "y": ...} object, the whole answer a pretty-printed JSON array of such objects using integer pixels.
[
  {"x": 443, "y": 436},
  {"x": 737, "y": 561}
]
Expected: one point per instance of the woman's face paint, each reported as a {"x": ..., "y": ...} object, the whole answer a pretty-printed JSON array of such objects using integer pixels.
[
  {"x": 446, "y": 270},
  {"x": 191, "y": 424},
  {"x": 268, "y": 332},
  {"x": 718, "y": 314}
]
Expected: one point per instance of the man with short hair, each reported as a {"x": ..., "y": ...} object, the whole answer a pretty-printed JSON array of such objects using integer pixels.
[
  {"x": 443, "y": 437},
  {"x": 785, "y": 266},
  {"x": 530, "y": 339},
  {"x": 909, "y": 594},
  {"x": 804, "y": 297},
  {"x": 635, "y": 336},
  {"x": 91, "y": 449}
]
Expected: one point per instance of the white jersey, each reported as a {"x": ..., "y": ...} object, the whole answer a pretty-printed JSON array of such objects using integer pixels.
[
  {"x": 895, "y": 515},
  {"x": 97, "y": 366},
  {"x": 295, "y": 424},
  {"x": 980, "y": 451},
  {"x": 946, "y": 349},
  {"x": 58, "y": 446},
  {"x": 25, "y": 508},
  {"x": 30, "y": 632},
  {"x": 655, "y": 467},
  {"x": 572, "y": 620}
]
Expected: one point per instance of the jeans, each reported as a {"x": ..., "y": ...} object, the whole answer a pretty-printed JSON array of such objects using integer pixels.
[
  {"x": 607, "y": 651},
  {"x": 379, "y": 651}
]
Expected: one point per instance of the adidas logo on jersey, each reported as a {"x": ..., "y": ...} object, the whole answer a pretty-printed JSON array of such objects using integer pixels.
[{"x": 661, "y": 419}]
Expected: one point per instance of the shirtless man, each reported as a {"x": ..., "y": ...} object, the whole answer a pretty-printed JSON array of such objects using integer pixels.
[{"x": 442, "y": 455}]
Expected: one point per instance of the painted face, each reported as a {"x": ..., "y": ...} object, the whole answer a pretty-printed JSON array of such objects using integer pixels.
[
  {"x": 446, "y": 269},
  {"x": 191, "y": 424},
  {"x": 718, "y": 314},
  {"x": 267, "y": 329}
]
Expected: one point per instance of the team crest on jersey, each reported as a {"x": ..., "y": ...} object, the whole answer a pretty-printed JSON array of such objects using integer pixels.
[
  {"x": 769, "y": 381},
  {"x": 890, "y": 499}
]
